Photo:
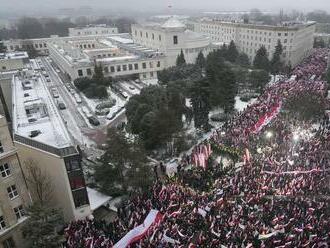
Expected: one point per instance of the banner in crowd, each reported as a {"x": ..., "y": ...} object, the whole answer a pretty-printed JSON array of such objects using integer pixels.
[
  {"x": 153, "y": 218},
  {"x": 267, "y": 118}
]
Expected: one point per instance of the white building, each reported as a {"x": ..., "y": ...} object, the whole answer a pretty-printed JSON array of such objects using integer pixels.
[
  {"x": 40, "y": 134},
  {"x": 13, "y": 61},
  {"x": 296, "y": 38},
  {"x": 101, "y": 29},
  {"x": 170, "y": 38},
  {"x": 117, "y": 54}
]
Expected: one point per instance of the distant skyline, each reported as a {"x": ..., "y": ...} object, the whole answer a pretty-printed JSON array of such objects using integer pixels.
[{"x": 47, "y": 6}]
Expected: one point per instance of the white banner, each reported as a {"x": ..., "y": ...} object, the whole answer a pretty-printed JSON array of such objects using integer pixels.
[{"x": 153, "y": 218}]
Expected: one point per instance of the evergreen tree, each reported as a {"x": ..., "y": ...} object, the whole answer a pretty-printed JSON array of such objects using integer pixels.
[
  {"x": 98, "y": 74},
  {"x": 232, "y": 52},
  {"x": 200, "y": 100},
  {"x": 124, "y": 166},
  {"x": 258, "y": 79},
  {"x": 261, "y": 60},
  {"x": 3, "y": 49},
  {"x": 41, "y": 229},
  {"x": 243, "y": 60},
  {"x": 276, "y": 62},
  {"x": 180, "y": 60},
  {"x": 222, "y": 81},
  {"x": 200, "y": 60}
]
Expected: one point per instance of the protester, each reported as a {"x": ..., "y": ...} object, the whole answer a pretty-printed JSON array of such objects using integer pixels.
[{"x": 278, "y": 197}]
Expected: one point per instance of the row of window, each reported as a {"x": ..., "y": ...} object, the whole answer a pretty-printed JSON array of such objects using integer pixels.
[
  {"x": 120, "y": 68},
  {"x": 147, "y": 35},
  {"x": 27, "y": 46},
  {"x": 19, "y": 213},
  {"x": 96, "y": 32},
  {"x": 84, "y": 46}
]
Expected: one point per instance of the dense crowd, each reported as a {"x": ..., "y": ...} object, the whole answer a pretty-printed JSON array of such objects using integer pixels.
[{"x": 278, "y": 198}]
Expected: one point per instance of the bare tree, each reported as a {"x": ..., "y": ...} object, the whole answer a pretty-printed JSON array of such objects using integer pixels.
[{"x": 39, "y": 182}]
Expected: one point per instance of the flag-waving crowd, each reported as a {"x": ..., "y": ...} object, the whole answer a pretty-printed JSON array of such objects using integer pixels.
[{"x": 278, "y": 198}]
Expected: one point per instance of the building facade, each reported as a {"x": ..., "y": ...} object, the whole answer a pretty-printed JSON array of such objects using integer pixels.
[
  {"x": 41, "y": 137},
  {"x": 118, "y": 55},
  {"x": 14, "y": 195},
  {"x": 101, "y": 29},
  {"x": 170, "y": 38},
  {"x": 296, "y": 38}
]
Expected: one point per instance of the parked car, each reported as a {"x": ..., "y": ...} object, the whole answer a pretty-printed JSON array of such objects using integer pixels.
[
  {"x": 124, "y": 94},
  {"x": 55, "y": 93},
  {"x": 131, "y": 88},
  {"x": 48, "y": 80},
  {"x": 77, "y": 98},
  {"x": 61, "y": 105},
  {"x": 94, "y": 121}
]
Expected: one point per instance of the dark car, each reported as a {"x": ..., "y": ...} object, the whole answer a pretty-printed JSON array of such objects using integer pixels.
[{"x": 94, "y": 121}]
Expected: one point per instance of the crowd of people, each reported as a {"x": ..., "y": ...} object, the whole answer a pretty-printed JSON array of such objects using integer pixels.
[{"x": 278, "y": 198}]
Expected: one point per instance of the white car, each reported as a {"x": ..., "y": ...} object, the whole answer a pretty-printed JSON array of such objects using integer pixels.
[
  {"x": 85, "y": 110},
  {"x": 77, "y": 98}
]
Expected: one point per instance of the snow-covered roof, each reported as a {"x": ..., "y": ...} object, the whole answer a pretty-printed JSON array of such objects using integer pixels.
[
  {"x": 173, "y": 23},
  {"x": 14, "y": 55},
  {"x": 122, "y": 40},
  {"x": 121, "y": 58},
  {"x": 191, "y": 35},
  {"x": 96, "y": 199},
  {"x": 35, "y": 110}
]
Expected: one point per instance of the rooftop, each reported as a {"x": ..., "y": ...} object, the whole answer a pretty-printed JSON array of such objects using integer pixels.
[
  {"x": 35, "y": 115},
  {"x": 14, "y": 55}
]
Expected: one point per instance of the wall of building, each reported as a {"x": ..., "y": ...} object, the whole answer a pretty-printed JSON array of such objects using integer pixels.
[
  {"x": 297, "y": 41},
  {"x": 55, "y": 167},
  {"x": 8, "y": 155},
  {"x": 92, "y": 31}
]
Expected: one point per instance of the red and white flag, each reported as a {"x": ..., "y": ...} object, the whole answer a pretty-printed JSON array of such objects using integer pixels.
[{"x": 153, "y": 219}]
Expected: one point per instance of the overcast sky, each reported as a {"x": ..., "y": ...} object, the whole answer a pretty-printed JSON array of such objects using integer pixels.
[{"x": 159, "y": 5}]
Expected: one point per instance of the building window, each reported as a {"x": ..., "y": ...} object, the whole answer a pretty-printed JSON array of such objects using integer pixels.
[
  {"x": 151, "y": 65},
  {"x": 151, "y": 74},
  {"x": 144, "y": 75},
  {"x": 2, "y": 223},
  {"x": 160, "y": 37},
  {"x": 106, "y": 69},
  {"x": 118, "y": 68},
  {"x": 112, "y": 68},
  {"x": 9, "y": 243},
  {"x": 12, "y": 192},
  {"x": 80, "y": 73},
  {"x": 124, "y": 67},
  {"x": 45, "y": 45},
  {"x": 175, "y": 39},
  {"x": 89, "y": 71},
  {"x": 153, "y": 36},
  {"x": 285, "y": 41},
  {"x": 146, "y": 34},
  {"x": 136, "y": 66},
  {"x": 4, "y": 170},
  {"x": 158, "y": 63},
  {"x": 279, "y": 34},
  {"x": 130, "y": 67},
  {"x": 141, "y": 33},
  {"x": 144, "y": 65},
  {"x": 19, "y": 212},
  {"x": 72, "y": 165},
  {"x": 77, "y": 182},
  {"x": 135, "y": 33},
  {"x": 80, "y": 197}
]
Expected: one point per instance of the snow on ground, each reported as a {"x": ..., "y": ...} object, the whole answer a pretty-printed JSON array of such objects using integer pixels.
[
  {"x": 92, "y": 103},
  {"x": 97, "y": 199},
  {"x": 150, "y": 81},
  {"x": 240, "y": 105},
  {"x": 126, "y": 86}
]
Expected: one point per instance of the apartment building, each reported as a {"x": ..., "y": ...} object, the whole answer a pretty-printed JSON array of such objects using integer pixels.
[
  {"x": 117, "y": 54},
  {"x": 40, "y": 135},
  {"x": 14, "y": 196},
  {"x": 170, "y": 38},
  {"x": 101, "y": 29},
  {"x": 296, "y": 38}
]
